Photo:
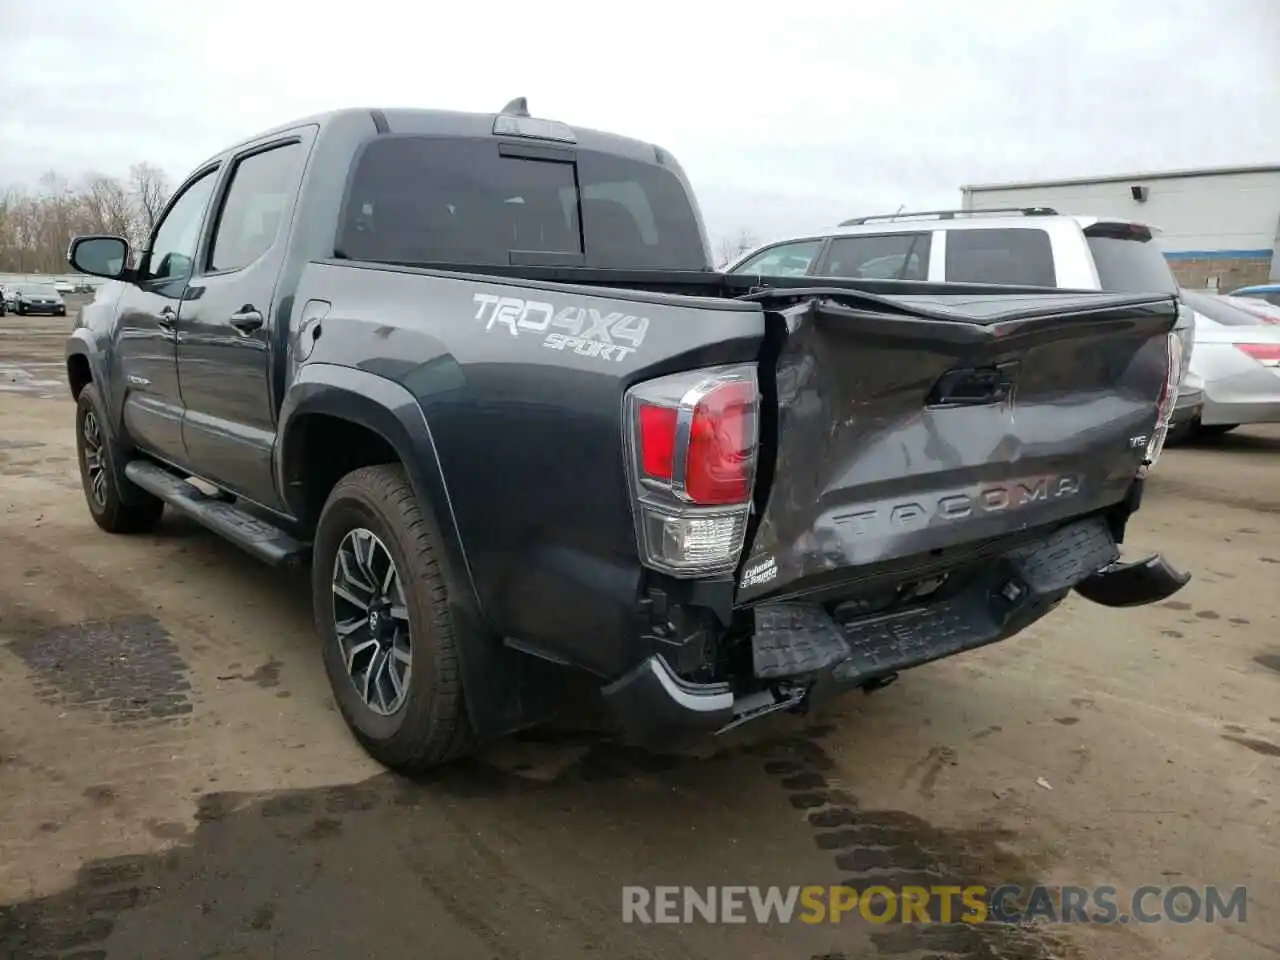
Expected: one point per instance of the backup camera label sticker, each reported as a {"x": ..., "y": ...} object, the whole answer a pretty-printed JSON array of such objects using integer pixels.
[
  {"x": 760, "y": 571},
  {"x": 586, "y": 331}
]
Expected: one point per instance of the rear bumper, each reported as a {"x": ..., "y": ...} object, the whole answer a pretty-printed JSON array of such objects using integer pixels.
[
  {"x": 1134, "y": 584},
  {"x": 1245, "y": 393},
  {"x": 1240, "y": 411},
  {"x": 801, "y": 656},
  {"x": 650, "y": 702}
]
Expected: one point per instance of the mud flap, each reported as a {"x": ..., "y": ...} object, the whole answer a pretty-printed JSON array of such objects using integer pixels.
[{"x": 1134, "y": 584}]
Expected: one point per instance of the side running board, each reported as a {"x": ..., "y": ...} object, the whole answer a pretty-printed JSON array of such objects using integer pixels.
[{"x": 258, "y": 537}]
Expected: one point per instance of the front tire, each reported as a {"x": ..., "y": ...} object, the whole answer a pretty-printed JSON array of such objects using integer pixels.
[
  {"x": 98, "y": 457},
  {"x": 382, "y": 611}
]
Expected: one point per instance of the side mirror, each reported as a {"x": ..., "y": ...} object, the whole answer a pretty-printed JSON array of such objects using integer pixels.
[{"x": 100, "y": 256}]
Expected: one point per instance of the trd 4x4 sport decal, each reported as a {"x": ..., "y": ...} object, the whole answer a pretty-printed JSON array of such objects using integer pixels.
[{"x": 587, "y": 332}]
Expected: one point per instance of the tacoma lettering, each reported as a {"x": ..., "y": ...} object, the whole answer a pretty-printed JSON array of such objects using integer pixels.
[{"x": 994, "y": 498}]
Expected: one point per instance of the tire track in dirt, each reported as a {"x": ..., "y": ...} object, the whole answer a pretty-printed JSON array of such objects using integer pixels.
[{"x": 894, "y": 849}]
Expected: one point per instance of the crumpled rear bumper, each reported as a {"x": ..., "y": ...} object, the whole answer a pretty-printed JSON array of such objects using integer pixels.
[
  {"x": 801, "y": 655},
  {"x": 1134, "y": 584}
]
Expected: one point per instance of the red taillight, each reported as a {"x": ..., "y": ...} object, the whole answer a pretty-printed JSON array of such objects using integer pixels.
[
  {"x": 718, "y": 452},
  {"x": 1268, "y": 354},
  {"x": 1167, "y": 400},
  {"x": 722, "y": 445},
  {"x": 657, "y": 440},
  {"x": 692, "y": 465}
]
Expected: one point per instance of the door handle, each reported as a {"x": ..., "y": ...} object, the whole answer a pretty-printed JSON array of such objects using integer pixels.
[
  {"x": 167, "y": 318},
  {"x": 246, "y": 319}
]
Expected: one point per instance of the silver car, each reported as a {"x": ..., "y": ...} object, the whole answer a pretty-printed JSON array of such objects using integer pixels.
[{"x": 1236, "y": 361}]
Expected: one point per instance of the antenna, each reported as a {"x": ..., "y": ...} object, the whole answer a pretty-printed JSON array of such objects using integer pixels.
[{"x": 519, "y": 107}]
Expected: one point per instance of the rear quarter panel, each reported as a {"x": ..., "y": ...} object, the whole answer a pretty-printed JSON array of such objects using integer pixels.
[{"x": 521, "y": 384}]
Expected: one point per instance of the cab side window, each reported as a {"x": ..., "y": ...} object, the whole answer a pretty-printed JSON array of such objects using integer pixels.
[
  {"x": 889, "y": 256},
  {"x": 1021, "y": 255},
  {"x": 262, "y": 186},
  {"x": 173, "y": 248},
  {"x": 784, "y": 260}
]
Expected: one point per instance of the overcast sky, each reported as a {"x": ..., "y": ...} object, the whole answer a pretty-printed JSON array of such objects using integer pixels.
[{"x": 787, "y": 115}]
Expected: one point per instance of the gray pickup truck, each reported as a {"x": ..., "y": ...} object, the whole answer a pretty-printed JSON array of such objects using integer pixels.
[{"x": 478, "y": 372}]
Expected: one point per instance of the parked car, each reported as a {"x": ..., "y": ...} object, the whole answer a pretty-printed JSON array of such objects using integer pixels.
[
  {"x": 9, "y": 297},
  {"x": 1265, "y": 311},
  {"x": 1237, "y": 359},
  {"x": 1034, "y": 246},
  {"x": 1269, "y": 292},
  {"x": 478, "y": 371},
  {"x": 31, "y": 298},
  {"x": 64, "y": 287}
]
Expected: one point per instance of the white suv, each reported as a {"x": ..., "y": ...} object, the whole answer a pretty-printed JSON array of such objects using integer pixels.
[{"x": 1032, "y": 246}]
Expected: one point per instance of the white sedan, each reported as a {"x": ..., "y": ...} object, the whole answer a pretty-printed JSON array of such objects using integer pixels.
[{"x": 1237, "y": 359}]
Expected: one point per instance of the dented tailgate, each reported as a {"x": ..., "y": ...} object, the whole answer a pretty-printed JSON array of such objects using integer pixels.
[{"x": 914, "y": 426}]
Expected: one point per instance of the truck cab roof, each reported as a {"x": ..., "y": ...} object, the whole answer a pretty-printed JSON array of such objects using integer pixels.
[
  {"x": 502, "y": 189},
  {"x": 456, "y": 123}
]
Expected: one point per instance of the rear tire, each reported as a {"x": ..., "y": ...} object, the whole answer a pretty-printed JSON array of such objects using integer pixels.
[
  {"x": 378, "y": 595},
  {"x": 99, "y": 455}
]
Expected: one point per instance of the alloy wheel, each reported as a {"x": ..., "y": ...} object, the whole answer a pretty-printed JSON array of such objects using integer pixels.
[
  {"x": 94, "y": 463},
  {"x": 371, "y": 620}
]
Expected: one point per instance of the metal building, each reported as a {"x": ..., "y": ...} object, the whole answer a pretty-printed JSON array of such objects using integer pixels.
[{"x": 1219, "y": 228}]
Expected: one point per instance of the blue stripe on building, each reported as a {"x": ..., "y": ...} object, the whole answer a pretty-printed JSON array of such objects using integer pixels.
[{"x": 1263, "y": 254}]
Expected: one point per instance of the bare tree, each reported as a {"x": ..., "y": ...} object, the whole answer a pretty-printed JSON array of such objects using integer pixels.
[
  {"x": 736, "y": 245},
  {"x": 150, "y": 189},
  {"x": 107, "y": 207},
  {"x": 37, "y": 225}
]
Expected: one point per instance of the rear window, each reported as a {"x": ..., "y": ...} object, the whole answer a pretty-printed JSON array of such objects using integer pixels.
[
  {"x": 784, "y": 260},
  {"x": 1001, "y": 255},
  {"x": 1219, "y": 310},
  {"x": 1128, "y": 260},
  {"x": 1268, "y": 297},
  {"x": 449, "y": 200},
  {"x": 1264, "y": 311},
  {"x": 887, "y": 256}
]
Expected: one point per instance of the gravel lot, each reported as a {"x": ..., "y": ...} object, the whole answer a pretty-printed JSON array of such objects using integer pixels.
[{"x": 175, "y": 783}]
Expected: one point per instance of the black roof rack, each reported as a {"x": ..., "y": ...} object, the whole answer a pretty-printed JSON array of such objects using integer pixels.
[{"x": 951, "y": 214}]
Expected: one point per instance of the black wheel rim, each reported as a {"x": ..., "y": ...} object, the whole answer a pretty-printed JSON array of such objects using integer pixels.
[
  {"x": 371, "y": 621},
  {"x": 95, "y": 470}
]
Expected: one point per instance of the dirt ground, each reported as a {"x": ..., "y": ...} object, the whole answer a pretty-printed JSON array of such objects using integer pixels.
[{"x": 175, "y": 782}]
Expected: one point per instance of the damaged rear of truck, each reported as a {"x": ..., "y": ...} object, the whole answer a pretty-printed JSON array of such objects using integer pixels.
[
  {"x": 895, "y": 480},
  {"x": 479, "y": 372}
]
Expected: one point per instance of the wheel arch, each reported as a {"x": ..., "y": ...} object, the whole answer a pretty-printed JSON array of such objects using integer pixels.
[
  {"x": 375, "y": 407},
  {"x": 384, "y": 419},
  {"x": 82, "y": 364}
]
